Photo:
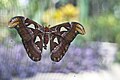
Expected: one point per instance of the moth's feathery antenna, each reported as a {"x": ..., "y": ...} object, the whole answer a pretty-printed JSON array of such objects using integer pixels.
[{"x": 49, "y": 26}]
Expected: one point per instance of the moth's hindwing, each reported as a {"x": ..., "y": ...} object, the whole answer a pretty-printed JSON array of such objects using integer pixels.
[{"x": 59, "y": 48}]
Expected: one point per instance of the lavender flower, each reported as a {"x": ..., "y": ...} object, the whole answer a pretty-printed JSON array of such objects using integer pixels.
[{"x": 14, "y": 61}]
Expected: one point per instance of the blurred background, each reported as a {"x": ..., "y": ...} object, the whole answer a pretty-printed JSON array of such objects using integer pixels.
[{"x": 96, "y": 54}]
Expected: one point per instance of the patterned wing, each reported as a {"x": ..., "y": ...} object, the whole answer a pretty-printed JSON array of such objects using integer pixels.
[
  {"x": 29, "y": 36},
  {"x": 64, "y": 38}
]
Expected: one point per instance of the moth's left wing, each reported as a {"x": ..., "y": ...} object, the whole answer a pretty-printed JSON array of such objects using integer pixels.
[
  {"x": 29, "y": 35},
  {"x": 63, "y": 38}
]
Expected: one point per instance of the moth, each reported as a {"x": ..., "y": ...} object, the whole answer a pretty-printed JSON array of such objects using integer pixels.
[{"x": 45, "y": 34}]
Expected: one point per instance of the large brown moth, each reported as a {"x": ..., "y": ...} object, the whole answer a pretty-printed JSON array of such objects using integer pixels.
[{"x": 34, "y": 48}]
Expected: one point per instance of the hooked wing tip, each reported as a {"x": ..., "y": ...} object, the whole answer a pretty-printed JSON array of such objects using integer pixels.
[{"x": 80, "y": 29}]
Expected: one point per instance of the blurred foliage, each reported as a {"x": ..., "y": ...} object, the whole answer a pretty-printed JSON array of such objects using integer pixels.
[
  {"x": 36, "y": 8},
  {"x": 3, "y": 34},
  {"x": 7, "y": 4},
  {"x": 67, "y": 12},
  {"x": 84, "y": 8},
  {"x": 118, "y": 57},
  {"x": 105, "y": 28}
]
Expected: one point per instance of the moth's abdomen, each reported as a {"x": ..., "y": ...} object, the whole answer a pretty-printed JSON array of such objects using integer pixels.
[{"x": 46, "y": 39}]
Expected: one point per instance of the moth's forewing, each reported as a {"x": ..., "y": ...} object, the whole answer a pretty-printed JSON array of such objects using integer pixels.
[
  {"x": 28, "y": 35},
  {"x": 59, "y": 49}
]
